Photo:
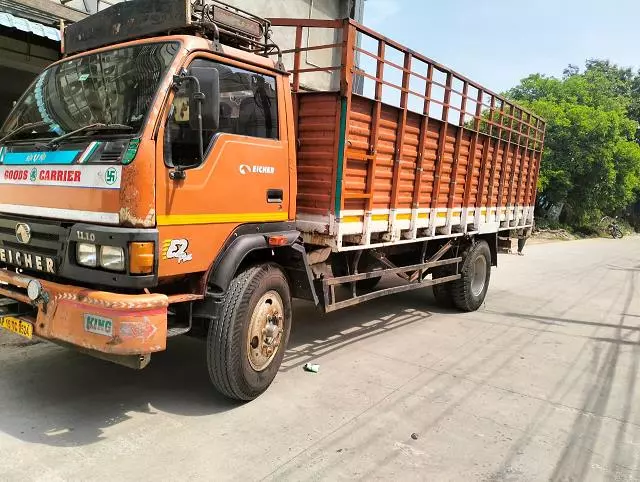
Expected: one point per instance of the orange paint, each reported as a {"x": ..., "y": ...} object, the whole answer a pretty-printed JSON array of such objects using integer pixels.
[{"x": 139, "y": 322}]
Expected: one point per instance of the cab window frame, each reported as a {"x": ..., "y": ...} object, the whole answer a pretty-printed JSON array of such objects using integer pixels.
[{"x": 237, "y": 66}]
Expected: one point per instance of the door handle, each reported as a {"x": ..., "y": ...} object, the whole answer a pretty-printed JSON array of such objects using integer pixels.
[{"x": 275, "y": 196}]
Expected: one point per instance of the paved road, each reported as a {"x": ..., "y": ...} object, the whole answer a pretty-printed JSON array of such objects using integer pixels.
[{"x": 541, "y": 383}]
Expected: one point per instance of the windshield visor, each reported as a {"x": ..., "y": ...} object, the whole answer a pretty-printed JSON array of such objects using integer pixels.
[{"x": 113, "y": 87}]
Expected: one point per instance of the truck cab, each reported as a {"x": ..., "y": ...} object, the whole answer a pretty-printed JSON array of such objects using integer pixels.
[{"x": 125, "y": 169}]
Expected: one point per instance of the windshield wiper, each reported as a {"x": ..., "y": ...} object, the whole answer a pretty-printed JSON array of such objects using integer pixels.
[
  {"x": 22, "y": 128},
  {"x": 89, "y": 128}
]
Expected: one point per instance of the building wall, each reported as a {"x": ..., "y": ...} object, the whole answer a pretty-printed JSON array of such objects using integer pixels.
[
  {"x": 285, "y": 37},
  {"x": 22, "y": 57},
  {"x": 27, "y": 54}
]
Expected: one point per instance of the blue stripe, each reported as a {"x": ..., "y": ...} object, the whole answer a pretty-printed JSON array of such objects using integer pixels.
[{"x": 39, "y": 158}]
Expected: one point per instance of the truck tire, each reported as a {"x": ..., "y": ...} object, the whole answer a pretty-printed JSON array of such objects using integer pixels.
[
  {"x": 442, "y": 294},
  {"x": 247, "y": 341},
  {"x": 469, "y": 291}
]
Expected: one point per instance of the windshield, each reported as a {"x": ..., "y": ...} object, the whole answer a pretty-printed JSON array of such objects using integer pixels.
[{"x": 111, "y": 87}]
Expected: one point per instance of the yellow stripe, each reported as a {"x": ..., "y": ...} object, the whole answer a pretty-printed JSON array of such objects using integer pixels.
[
  {"x": 177, "y": 219},
  {"x": 442, "y": 215},
  {"x": 383, "y": 217}
]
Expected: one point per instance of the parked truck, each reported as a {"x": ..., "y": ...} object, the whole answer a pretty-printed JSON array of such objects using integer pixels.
[{"x": 170, "y": 176}]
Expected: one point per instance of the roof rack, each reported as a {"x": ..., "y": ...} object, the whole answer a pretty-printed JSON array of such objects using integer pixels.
[
  {"x": 234, "y": 27},
  {"x": 213, "y": 19}
]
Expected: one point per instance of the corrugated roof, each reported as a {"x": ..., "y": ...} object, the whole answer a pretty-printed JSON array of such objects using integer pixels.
[{"x": 29, "y": 26}]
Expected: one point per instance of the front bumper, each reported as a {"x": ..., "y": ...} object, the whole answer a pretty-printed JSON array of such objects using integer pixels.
[{"x": 97, "y": 321}]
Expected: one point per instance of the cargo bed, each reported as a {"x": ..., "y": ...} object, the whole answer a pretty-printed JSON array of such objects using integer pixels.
[{"x": 404, "y": 149}]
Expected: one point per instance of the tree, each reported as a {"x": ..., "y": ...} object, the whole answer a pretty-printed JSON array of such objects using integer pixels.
[{"x": 591, "y": 162}]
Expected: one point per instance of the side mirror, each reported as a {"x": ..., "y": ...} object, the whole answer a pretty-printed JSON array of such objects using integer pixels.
[
  {"x": 209, "y": 79},
  {"x": 204, "y": 108}
]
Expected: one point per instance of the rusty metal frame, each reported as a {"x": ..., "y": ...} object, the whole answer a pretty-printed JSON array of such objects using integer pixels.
[
  {"x": 412, "y": 282},
  {"x": 496, "y": 121},
  {"x": 350, "y": 47}
]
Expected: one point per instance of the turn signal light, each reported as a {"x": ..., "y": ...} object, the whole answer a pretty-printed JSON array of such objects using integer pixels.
[
  {"x": 278, "y": 240},
  {"x": 141, "y": 258}
]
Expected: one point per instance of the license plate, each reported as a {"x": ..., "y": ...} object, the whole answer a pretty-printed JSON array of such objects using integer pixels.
[{"x": 17, "y": 326}]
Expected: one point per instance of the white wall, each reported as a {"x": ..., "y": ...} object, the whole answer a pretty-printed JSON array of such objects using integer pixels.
[{"x": 283, "y": 37}]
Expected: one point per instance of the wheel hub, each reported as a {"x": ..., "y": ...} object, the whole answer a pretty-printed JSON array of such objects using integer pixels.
[
  {"x": 479, "y": 276},
  {"x": 265, "y": 330}
]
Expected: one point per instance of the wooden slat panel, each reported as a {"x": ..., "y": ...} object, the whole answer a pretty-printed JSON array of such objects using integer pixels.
[{"x": 317, "y": 138}]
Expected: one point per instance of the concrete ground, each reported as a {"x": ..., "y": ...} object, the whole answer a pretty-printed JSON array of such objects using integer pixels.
[{"x": 541, "y": 383}]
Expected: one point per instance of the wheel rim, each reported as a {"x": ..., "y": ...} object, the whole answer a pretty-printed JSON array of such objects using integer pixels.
[
  {"x": 479, "y": 276},
  {"x": 265, "y": 331}
]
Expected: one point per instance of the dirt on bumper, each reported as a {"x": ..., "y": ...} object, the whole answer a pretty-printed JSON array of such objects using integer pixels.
[{"x": 100, "y": 321}]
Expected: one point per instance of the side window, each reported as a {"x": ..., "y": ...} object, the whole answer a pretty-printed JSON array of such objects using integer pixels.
[{"x": 248, "y": 107}]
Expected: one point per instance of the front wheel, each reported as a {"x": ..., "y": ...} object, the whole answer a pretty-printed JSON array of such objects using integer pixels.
[
  {"x": 246, "y": 342},
  {"x": 469, "y": 291}
]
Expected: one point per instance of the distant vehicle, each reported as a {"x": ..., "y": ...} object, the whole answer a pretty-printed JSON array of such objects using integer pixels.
[
  {"x": 170, "y": 176},
  {"x": 613, "y": 228}
]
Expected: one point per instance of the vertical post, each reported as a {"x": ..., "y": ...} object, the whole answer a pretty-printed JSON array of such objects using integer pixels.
[
  {"x": 400, "y": 135},
  {"x": 508, "y": 149},
  {"x": 531, "y": 180},
  {"x": 494, "y": 160},
  {"x": 296, "y": 77},
  {"x": 440, "y": 153},
  {"x": 422, "y": 141},
  {"x": 511, "y": 202},
  {"x": 348, "y": 42},
  {"x": 296, "y": 59},
  {"x": 453, "y": 182},
  {"x": 62, "y": 25},
  {"x": 524, "y": 167},
  {"x": 472, "y": 159},
  {"x": 373, "y": 142},
  {"x": 348, "y": 54},
  {"x": 538, "y": 163},
  {"x": 485, "y": 153}
]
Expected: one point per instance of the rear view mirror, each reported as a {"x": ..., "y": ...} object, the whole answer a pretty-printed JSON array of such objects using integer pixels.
[{"x": 209, "y": 79}]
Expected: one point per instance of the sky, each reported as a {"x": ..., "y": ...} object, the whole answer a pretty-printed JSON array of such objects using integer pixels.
[{"x": 498, "y": 42}]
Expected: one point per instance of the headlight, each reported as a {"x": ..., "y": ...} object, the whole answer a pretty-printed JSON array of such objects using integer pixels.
[
  {"x": 112, "y": 258},
  {"x": 34, "y": 290},
  {"x": 86, "y": 254}
]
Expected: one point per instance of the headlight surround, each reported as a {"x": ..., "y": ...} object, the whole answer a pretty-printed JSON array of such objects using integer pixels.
[
  {"x": 112, "y": 258},
  {"x": 87, "y": 255}
]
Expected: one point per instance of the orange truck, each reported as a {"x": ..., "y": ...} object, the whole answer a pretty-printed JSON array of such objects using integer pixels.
[{"x": 170, "y": 176}]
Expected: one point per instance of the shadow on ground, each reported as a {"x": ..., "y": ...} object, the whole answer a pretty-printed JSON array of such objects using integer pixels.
[{"x": 58, "y": 397}]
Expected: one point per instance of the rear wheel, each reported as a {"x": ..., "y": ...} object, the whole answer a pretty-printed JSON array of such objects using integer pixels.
[
  {"x": 246, "y": 342},
  {"x": 468, "y": 292},
  {"x": 442, "y": 292}
]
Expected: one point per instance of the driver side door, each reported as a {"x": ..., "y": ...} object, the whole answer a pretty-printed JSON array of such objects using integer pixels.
[{"x": 244, "y": 177}]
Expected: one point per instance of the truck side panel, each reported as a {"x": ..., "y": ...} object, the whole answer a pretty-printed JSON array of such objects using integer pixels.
[
  {"x": 318, "y": 117},
  {"x": 372, "y": 152},
  {"x": 419, "y": 150}
]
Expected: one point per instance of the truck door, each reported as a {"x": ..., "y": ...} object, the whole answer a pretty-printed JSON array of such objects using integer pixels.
[{"x": 245, "y": 174}]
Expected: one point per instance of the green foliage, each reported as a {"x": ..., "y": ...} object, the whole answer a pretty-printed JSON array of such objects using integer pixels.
[{"x": 591, "y": 162}]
